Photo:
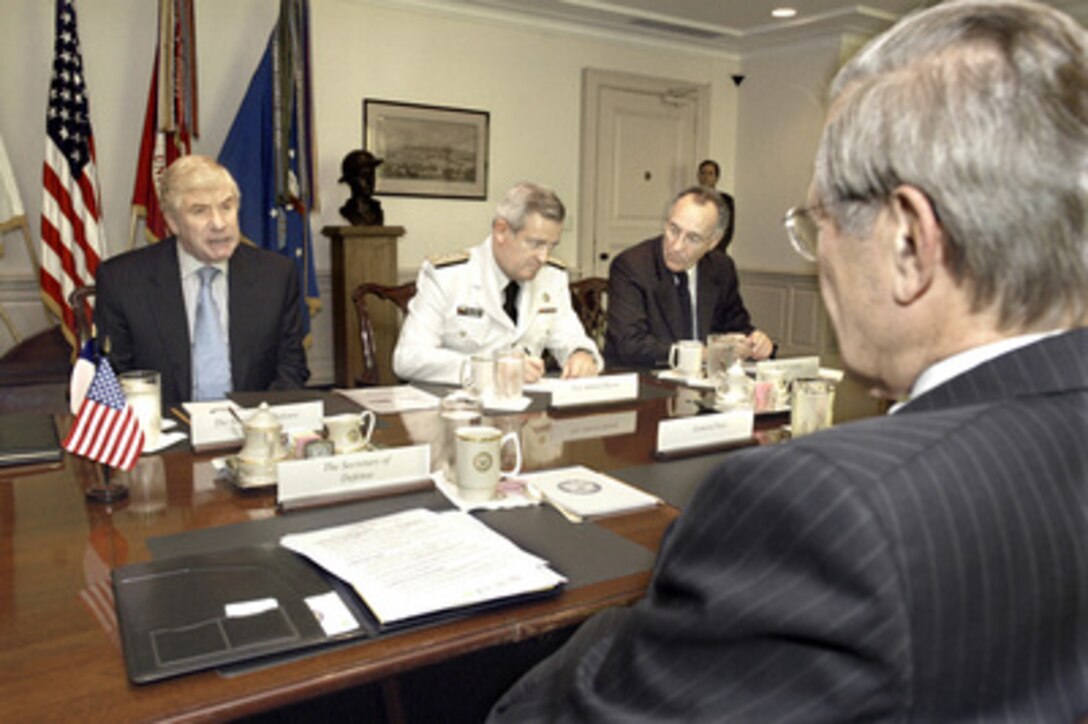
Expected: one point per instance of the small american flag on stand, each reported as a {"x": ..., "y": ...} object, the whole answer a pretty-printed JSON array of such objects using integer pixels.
[{"x": 106, "y": 429}]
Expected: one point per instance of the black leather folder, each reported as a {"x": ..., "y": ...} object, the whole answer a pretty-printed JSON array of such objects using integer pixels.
[
  {"x": 174, "y": 619},
  {"x": 28, "y": 438}
]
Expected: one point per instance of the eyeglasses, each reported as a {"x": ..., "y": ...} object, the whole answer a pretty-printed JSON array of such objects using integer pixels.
[
  {"x": 803, "y": 231},
  {"x": 675, "y": 232}
]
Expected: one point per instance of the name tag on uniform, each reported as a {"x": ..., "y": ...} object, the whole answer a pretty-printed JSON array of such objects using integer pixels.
[
  {"x": 547, "y": 310},
  {"x": 470, "y": 312}
]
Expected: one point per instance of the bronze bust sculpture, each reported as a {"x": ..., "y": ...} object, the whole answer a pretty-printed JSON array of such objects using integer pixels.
[{"x": 357, "y": 171}]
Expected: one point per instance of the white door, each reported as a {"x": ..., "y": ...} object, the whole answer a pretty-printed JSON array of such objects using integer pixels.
[{"x": 643, "y": 139}]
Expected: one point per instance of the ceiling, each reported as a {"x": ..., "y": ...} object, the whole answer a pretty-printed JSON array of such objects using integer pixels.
[{"x": 730, "y": 25}]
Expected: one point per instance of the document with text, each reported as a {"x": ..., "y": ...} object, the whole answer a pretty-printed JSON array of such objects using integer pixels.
[{"x": 419, "y": 562}]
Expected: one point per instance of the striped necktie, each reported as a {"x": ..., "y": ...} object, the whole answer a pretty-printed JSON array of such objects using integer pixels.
[{"x": 211, "y": 365}]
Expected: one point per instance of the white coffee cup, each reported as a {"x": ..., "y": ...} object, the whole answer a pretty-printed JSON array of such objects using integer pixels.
[
  {"x": 478, "y": 375},
  {"x": 478, "y": 466},
  {"x": 350, "y": 432},
  {"x": 686, "y": 357},
  {"x": 509, "y": 374},
  {"x": 142, "y": 390}
]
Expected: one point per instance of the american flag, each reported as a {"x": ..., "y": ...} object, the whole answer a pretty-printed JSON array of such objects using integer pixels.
[
  {"x": 106, "y": 429},
  {"x": 72, "y": 241}
]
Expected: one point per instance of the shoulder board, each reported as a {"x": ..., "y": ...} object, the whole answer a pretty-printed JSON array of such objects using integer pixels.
[
  {"x": 557, "y": 263},
  {"x": 441, "y": 260}
]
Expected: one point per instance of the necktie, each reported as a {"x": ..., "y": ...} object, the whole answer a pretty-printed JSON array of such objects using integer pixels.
[
  {"x": 211, "y": 366},
  {"x": 684, "y": 294},
  {"x": 511, "y": 303}
]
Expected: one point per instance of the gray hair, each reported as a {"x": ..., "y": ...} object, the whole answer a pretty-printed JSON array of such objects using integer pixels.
[
  {"x": 704, "y": 195},
  {"x": 529, "y": 198},
  {"x": 192, "y": 173},
  {"x": 983, "y": 106}
]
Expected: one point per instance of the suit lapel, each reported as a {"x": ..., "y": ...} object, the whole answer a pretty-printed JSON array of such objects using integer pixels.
[
  {"x": 169, "y": 312},
  {"x": 241, "y": 276},
  {"x": 665, "y": 295}
]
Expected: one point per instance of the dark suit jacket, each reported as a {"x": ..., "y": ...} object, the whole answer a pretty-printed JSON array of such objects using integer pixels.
[
  {"x": 644, "y": 309},
  {"x": 139, "y": 307},
  {"x": 928, "y": 566}
]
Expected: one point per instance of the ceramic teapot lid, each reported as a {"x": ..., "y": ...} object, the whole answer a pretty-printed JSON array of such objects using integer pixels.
[{"x": 263, "y": 419}]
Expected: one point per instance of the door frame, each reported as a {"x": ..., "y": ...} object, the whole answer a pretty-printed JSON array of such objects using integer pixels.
[{"x": 594, "y": 80}]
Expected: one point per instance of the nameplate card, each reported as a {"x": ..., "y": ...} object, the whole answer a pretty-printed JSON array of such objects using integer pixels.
[
  {"x": 343, "y": 476},
  {"x": 216, "y": 424},
  {"x": 791, "y": 368},
  {"x": 704, "y": 430},
  {"x": 594, "y": 390}
]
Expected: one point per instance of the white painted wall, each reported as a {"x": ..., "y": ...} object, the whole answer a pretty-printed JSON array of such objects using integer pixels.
[{"x": 781, "y": 113}]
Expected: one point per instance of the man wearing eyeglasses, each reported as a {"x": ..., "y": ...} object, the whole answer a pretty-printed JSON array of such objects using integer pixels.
[
  {"x": 507, "y": 292},
  {"x": 676, "y": 286},
  {"x": 930, "y": 565}
]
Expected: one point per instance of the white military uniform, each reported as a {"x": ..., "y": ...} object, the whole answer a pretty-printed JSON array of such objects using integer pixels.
[{"x": 458, "y": 311}]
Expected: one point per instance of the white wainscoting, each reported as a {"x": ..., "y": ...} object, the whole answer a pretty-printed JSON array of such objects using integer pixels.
[{"x": 788, "y": 308}]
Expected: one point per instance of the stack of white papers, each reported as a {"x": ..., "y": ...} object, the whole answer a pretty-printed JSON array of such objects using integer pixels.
[
  {"x": 419, "y": 562},
  {"x": 587, "y": 493}
]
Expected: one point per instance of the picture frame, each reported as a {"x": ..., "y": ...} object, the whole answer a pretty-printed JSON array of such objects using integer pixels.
[{"x": 433, "y": 151}]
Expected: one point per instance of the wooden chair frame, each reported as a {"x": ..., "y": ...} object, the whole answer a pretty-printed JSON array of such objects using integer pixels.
[{"x": 399, "y": 295}]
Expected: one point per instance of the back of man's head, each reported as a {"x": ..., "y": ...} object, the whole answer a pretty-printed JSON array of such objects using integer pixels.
[{"x": 982, "y": 105}]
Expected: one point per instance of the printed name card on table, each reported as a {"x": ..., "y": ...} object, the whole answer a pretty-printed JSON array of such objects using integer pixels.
[
  {"x": 594, "y": 390},
  {"x": 704, "y": 430},
  {"x": 372, "y": 471},
  {"x": 214, "y": 425}
]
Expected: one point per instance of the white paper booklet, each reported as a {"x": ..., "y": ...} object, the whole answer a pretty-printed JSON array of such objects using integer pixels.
[
  {"x": 419, "y": 562},
  {"x": 587, "y": 493}
]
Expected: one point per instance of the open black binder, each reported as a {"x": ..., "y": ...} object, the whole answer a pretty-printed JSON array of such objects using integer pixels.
[{"x": 174, "y": 619}]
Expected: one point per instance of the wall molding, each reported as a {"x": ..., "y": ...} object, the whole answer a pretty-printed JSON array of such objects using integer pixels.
[{"x": 788, "y": 307}]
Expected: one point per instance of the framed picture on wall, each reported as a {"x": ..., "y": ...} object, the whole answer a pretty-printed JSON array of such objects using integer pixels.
[{"x": 427, "y": 150}]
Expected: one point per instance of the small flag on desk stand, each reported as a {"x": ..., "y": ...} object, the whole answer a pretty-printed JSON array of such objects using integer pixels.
[{"x": 106, "y": 430}]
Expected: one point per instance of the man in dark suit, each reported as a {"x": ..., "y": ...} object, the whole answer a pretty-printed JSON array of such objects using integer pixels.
[
  {"x": 676, "y": 286},
  {"x": 709, "y": 173},
  {"x": 930, "y": 565},
  {"x": 149, "y": 302}
]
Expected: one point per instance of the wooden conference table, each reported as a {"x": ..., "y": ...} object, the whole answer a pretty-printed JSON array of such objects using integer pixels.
[{"x": 59, "y": 645}]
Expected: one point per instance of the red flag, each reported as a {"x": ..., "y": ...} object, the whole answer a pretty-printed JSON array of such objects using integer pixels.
[
  {"x": 72, "y": 241},
  {"x": 106, "y": 429},
  {"x": 170, "y": 122}
]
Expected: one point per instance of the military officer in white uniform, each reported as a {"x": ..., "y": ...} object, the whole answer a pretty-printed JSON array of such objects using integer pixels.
[{"x": 504, "y": 292}]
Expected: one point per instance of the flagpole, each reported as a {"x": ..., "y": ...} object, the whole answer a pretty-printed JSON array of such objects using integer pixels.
[{"x": 105, "y": 490}]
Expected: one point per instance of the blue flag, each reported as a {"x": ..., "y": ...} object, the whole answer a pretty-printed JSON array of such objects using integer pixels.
[{"x": 269, "y": 150}]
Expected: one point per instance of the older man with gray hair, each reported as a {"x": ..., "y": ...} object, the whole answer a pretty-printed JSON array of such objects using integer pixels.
[
  {"x": 509, "y": 291},
  {"x": 930, "y": 565}
]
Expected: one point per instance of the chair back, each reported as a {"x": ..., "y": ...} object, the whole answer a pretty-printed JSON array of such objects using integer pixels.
[
  {"x": 377, "y": 358},
  {"x": 589, "y": 297},
  {"x": 82, "y": 301}
]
